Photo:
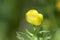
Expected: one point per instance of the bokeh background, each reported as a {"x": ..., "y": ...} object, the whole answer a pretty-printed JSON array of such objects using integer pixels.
[{"x": 12, "y": 17}]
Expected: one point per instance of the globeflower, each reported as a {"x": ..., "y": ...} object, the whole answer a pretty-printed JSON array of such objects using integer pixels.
[
  {"x": 58, "y": 5},
  {"x": 33, "y": 17}
]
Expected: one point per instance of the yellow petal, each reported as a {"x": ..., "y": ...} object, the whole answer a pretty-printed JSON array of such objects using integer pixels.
[
  {"x": 32, "y": 12},
  {"x": 41, "y": 16}
]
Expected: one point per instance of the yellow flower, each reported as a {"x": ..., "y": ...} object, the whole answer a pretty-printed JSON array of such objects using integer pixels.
[
  {"x": 33, "y": 17},
  {"x": 58, "y": 4}
]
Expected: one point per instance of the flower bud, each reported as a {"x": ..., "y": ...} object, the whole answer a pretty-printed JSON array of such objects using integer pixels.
[
  {"x": 58, "y": 4},
  {"x": 33, "y": 17}
]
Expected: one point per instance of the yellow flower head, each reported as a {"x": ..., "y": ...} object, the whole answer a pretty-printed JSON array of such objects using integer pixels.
[
  {"x": 58, "y": 4},
  {"x": 33, "y": 17}
]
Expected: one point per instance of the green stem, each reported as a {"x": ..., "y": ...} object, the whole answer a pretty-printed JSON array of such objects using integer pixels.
[
  {"x": 35, "y": 30},
  {"x": 41, "y": 37}
]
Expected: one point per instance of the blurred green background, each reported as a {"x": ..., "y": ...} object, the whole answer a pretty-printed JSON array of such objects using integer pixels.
[{"x": 12, "y": 17}]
